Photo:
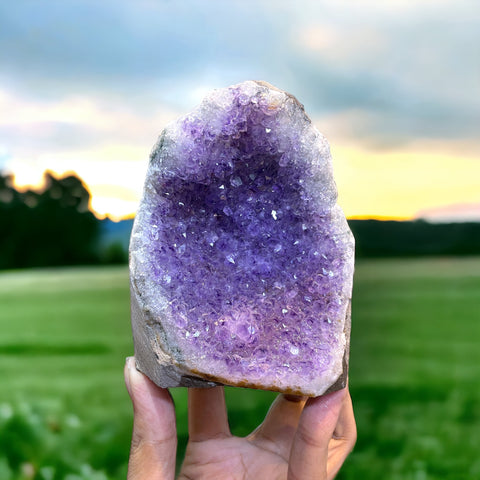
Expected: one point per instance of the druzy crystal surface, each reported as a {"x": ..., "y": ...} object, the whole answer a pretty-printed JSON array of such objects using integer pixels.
[{"x": 241, "y": 261}]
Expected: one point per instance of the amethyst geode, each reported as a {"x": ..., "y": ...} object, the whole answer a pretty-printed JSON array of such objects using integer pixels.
[{"x": 241, "y": 262}]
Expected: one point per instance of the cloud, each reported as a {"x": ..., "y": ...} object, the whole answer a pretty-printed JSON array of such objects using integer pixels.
[
  {"x": 129, "y": 45},
  {"x": 411, "y": 67},
  {"x": 88, "y": 84},
  {"x": 459, "y": 212},
  {"x": 412, "y": 72},
  {"x": 4, "y": 157},
  {"x": 35, "y": 127}
]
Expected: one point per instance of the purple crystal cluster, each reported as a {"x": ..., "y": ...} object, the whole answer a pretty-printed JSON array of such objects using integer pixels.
[{"x": 241, "y": 260}]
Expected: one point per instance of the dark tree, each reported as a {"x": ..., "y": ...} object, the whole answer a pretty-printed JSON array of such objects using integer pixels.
[
  {"x": 399, "y": 239},
  {"x": 47, "y": 228}
]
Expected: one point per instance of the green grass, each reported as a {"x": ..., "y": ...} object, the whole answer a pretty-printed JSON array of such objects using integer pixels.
[{"x": 415, "y": 369}]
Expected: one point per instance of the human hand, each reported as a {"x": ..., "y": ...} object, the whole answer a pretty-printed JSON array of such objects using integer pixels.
[{"x": 298, "y": 440}]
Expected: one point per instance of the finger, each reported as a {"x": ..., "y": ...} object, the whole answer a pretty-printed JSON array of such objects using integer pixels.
[
  {"x": 207, "y": 414},
  {"x": 344, "y": 438},
  {"x": 277, "y": 431},
  {"x": 346, "y": 428},
  {"x": 154, "y": 439},
  {"x": 309, "y": 455}
]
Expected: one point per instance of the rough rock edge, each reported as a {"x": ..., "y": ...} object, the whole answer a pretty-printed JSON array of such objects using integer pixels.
[{"x": 152, "y": 357}]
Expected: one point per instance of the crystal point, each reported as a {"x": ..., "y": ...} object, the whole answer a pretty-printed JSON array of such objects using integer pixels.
[{"x": 241, "y": 262}]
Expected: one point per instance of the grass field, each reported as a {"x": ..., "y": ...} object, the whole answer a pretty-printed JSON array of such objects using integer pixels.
[{"x": 415, "y": 373}]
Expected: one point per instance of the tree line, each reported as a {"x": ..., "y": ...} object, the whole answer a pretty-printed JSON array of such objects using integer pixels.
[
  {"x": 54, "y": 226},
  {"x": 50, "y": 227},
  {"x": 374, "y": 238}
]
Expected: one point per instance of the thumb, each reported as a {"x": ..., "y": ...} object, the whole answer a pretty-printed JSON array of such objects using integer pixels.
[
  {"x": 154, "y": 439},
  {"x": 309, "y": 454}
]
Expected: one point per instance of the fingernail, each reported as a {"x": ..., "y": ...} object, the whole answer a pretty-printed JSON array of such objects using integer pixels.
[
  {"x": 334, "y": 397},
  {"x": 294, "y": 398},
  {"x": 328, "y": 401},
  {"x": 130, "y": 361},
  {"x": 129, "y": 367}
]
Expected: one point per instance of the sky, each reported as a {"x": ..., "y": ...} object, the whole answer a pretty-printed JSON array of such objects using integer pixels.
[{"x": 87, "y": 86}]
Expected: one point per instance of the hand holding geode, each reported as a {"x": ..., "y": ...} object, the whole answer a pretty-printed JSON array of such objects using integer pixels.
[{"x": 241, "y": 262}]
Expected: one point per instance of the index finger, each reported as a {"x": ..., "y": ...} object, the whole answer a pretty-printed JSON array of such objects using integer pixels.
[{"x": 207, "y": 414}]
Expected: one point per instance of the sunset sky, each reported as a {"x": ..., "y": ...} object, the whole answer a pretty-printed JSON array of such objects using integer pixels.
[{"x": 87, "y": 86}]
